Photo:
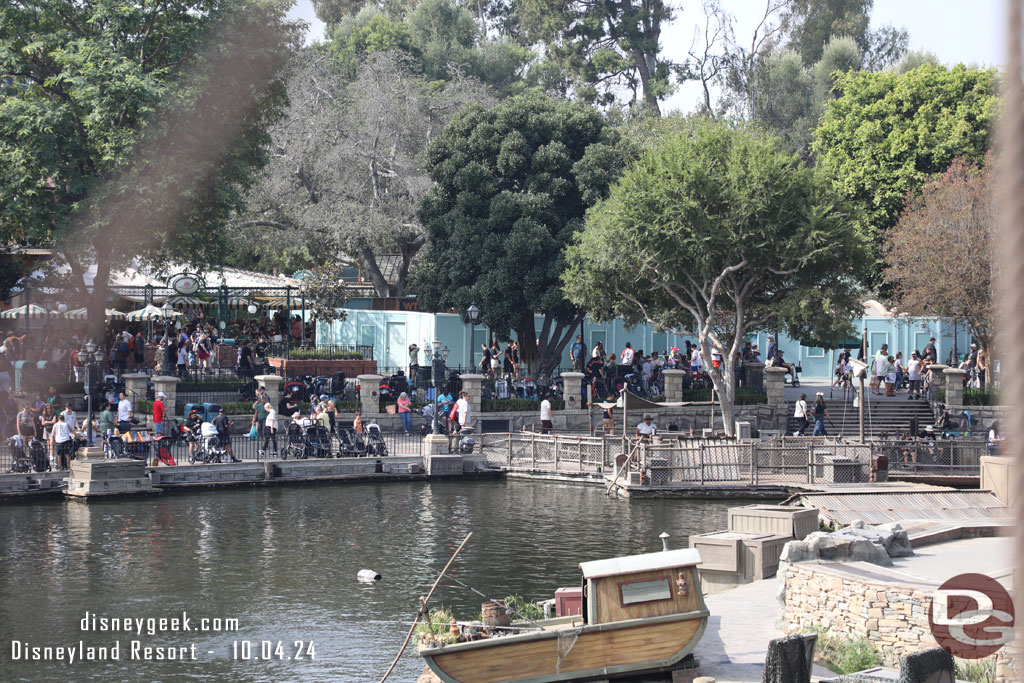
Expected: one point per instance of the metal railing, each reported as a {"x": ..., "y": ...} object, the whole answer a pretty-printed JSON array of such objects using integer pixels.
[{"x": 936, "y": 457}]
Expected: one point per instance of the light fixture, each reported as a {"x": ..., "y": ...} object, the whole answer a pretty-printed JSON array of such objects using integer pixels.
[
  {"x": 437, "y": 346},
  {"x": 223, "y": 324},
  {"x": 167, "y": 309},
  {"x": 251, "y": 309},
  {"x": 473, "y": 312},
  {"x": 62, "y": 308},
  {"x": 90, "y": 346},
  {"x": 444, "y": 352}
]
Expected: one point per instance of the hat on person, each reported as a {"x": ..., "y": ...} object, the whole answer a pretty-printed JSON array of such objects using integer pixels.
[
  {"x": 161, "y": 394},
  {"x": 194, "y": 410},
  {"x": 296, "y": 416},
  {"x": 973, "y": 345},
  {"x": 648, "y": 416},
  {"x": 820, "y": 393}
]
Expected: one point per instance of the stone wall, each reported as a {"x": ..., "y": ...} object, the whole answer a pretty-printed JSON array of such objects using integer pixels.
[{"x": 893, "y": 617}]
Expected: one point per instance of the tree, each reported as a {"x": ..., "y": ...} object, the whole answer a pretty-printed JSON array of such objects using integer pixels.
[
  {"x": 719, "y": 232},
  {"x": 507, "y": 198},
  {"x": 347, "y": 170},
  {"x": 129, "y": 132},
  {"x": 326, "y": 294},
  {"x": 813, "y": 23},
  {"x": 604, "y": 47},
  {"x": 939, "y": 256},
  {"x": 888, "y": 133}
]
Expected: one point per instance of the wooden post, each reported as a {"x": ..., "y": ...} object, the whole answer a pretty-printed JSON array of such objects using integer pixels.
[
  {"x": 810, "y": 465},
  {"x": 533, "y": 442},
  {"x": 700, "y": 462}
]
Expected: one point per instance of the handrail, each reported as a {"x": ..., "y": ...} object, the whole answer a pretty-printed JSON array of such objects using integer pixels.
[{"x": 625, "y": 465}]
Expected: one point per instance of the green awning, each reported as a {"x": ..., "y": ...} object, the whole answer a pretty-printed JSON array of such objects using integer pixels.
[{"x": 849, "y": 343}]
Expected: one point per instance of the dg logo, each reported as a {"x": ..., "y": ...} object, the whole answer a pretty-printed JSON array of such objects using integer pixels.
[{"x": 971, "y": 616}]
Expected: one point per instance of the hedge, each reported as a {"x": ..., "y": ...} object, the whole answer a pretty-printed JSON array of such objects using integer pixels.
[
  {"x": 516, "y": 405},
  {"x": 972, "y": 397}
]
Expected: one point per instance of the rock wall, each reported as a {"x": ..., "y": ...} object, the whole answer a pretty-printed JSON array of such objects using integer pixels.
[{"x": 893, "y": 617}]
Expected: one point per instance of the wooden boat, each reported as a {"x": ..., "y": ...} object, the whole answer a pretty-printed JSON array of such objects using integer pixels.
[{"x": 641, "y": 614}]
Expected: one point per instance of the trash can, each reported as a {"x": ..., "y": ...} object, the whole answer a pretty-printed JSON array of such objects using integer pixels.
[
  {"x": 198, "y": 406},
  {"x": 880, "y": 468},
  {"x": 210, "y": 411}
]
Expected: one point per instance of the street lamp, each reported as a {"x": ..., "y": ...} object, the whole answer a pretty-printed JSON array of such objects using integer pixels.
[
  {"x": 472, "y": 313},
  {"x": 62, "y": 308},
  {"x": 434, "y": 356},
  {"x": 303, "y": 286},
  {"x": 88, "y": 356}
]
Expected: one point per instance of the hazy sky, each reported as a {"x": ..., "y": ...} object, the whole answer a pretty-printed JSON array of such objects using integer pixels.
[{"x": 956, "y": 31}]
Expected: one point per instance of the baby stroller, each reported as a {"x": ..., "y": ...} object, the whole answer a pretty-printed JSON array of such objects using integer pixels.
[
  {"x": 525, "y": 389},
  {"x": 466, "y": 440},
  {"x": 352, "y": 445},
  {"x": 296, "y": 446},
  {"x": 500, "y": 389},
  {"x": 318, "y": 441},
  {"x": 427, "y": 411},
  {"x": 22, "y": 461},
  {"x": 375, "y": 441},
  {"x": 210, "y": 450}
]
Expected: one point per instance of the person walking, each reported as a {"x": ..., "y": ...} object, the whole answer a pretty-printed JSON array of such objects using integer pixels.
[
  {"x": 914, "y": 368},
  {"x": 546, "y": 419},
  {"x": 890, "y": 376},
  {"x": 259, "y": 419},
  {"x": 270, "y": 430},
  {"x": 820, "y": 412},
  {"x": 124, "y": 413},
  {"x": 60, "y": 443},
  {"x": 404, "y": 411},
  {"x": 578, "y": 353},
  {"x": 463, "y": 410},
  {"x": 223, "y": 425},
  {"x": 800, "y": 413}
]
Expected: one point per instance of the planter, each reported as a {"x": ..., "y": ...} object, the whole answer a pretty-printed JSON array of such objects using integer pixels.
[{"x": 351, "y": 368}]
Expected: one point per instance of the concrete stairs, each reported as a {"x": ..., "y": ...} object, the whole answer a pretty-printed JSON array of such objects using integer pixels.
[{"x": 890, "y": 417}]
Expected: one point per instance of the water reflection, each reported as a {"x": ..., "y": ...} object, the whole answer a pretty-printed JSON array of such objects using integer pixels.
[{"x": 283, "y": 562}]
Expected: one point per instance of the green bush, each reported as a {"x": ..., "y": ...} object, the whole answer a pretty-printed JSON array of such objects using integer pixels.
[
  {"x": 143, "y": 407},
  {"x": 519, "y": 608},
  {"x": 976, "y": 670},
  {"x": 844, "y": 655},
  {"x": 518, "y": 405},
  {"x": 323, "y": 354},
  {"x": 972, "y": 397},
  {"x": 744, "y": 396},
  {"x": 436, "y": 628}
]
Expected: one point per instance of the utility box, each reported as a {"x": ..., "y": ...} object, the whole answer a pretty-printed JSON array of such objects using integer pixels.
[
  {"x": 776, "y": 520},
  {"x": 719, "y": 551},
  {"x": 568, "y": 602},
  {"x": 744, "y": 430}
]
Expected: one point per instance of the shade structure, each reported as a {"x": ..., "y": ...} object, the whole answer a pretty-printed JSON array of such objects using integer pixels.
[
  {"x": 27, "y": 311},
  {"x": 83, "y": 314},
  {"x": 243, "y": 302},
  {"x": 182, "y": 303},
  {"x": 150, "y": 313}
]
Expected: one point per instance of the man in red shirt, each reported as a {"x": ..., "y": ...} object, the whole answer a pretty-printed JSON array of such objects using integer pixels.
[{"x": 158, "y": 413}]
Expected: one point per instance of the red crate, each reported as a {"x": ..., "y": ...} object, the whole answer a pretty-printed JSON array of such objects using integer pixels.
[{"x": 568, "y": 602}]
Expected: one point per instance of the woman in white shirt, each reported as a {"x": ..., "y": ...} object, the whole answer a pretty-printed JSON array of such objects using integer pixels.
[
  {"x": 800, "y": 413},
  {"x": 270, "y": 431},
  {"x": 60, "y": 443}
]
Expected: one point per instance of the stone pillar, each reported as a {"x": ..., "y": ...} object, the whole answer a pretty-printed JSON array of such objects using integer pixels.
[
  {"x": 572, "y": 388},
  {"x": 775, "y": 386},
  {"x": 369, "y": 394},
  {"x": 954, "y": 386},
  {"x": 472, "y": 384},
  {"x": 673, "y": 385},
  {"x": 169, "y": 386},
  {"x": 272, "y": 383},
  {"x": 135, "y": 386},
  {"x": 753, "y": 376}
]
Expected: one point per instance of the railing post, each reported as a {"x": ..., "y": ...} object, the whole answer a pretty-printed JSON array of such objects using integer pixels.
[
  {"x": 700, "y": 463},
  {"x": 579, "y": 450},
  {"x": 533, "y": 440},
  {"x": 556, "y": 452},
  {"x": 510, "y": 450},
  {"x": 810, "y": 464},
  {"x": 604, "y": 451}
]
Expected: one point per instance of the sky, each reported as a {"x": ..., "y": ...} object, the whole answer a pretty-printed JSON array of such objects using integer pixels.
[{"x": 955, "y": 31}]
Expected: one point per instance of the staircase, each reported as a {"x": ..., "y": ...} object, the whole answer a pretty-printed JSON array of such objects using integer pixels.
[{"x": 886, "y": 417}]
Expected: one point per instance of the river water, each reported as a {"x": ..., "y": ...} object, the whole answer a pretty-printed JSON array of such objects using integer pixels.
[{"x": 283, "y": 562}]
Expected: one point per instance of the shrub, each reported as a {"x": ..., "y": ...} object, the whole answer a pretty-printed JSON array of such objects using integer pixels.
[
  {"x": 972, "y": 397},
  {"x": 323, "y": 354},
  {"x": 518, "y": 405},
  {"x": 436, "y": 628},
  {"x": 844, "y": 655},
  {"x": 976, "y": 670},
  {"x": 520, "y": 608}
]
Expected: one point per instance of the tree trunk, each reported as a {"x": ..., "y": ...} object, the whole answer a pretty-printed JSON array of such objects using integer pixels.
[{"x": 724, "y": 383}]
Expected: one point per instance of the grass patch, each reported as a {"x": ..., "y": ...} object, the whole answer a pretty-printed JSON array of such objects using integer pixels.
[
  {"x": 976, "y": 670},
  {"x": 436, "y": 628},
  {"x": 844, "y": 655}
]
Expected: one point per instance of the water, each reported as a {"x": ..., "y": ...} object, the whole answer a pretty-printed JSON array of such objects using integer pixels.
[{"x": 283, "y": 562}]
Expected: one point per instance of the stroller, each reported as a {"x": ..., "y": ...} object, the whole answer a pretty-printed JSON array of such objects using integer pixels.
[
  {"x": 296, "y": 446},
  {"x": 466, "y": 440},
  {"x": 500, "y": 389},
  {"x": 298, "y": 389},
  {"x": 375, "y": 443},
  {"x": 427, "y": 411},
  {"x": 318, "y": 442},
  {"x": 352, "y": 445},
  {"x": 525, "y": 389},
  {"x": 36, "y": 459}
]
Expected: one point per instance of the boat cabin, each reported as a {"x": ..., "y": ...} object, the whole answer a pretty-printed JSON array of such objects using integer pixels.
[{"x": 641, "y": 586}]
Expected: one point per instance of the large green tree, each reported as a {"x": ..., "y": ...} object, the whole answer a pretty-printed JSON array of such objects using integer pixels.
[
  {"x": 130, "y": 131},
  {"x": 604, "y": 49},
  {"x": 718, "y": 232},
  {"x": 888, "y": 133},
  {"x": 512, "y": 184}
]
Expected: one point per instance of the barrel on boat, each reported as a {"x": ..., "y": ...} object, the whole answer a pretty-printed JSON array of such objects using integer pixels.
[{"x": 494, "y": 614}]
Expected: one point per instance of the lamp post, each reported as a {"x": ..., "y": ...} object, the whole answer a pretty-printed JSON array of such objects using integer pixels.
[
  {"x": 87, "y": 355},
  {"x": 472, "y": 313},
  {"x": 165, "y": 363},
  {"x": 302, "y": 334}
]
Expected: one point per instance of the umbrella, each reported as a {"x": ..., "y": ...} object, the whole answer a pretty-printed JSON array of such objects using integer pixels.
[
  {"x": 150, "y": 313},
  {"x": 28, "y": 311},
  {"x": 83, "y": 314},
  {"x": 186, "y": 302}
]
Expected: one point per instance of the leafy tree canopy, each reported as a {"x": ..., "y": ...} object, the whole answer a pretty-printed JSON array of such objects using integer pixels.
[
  {"x": 939, "y": 256},
  {"x": 512, "y": 184},
  {"x": 130, "y": 131},
  {"x": 888, "y": 133},
  {"x": 718, "y": 232}
]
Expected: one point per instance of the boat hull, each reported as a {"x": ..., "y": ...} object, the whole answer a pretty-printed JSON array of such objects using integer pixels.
[{"x": 637, "y": 646}]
